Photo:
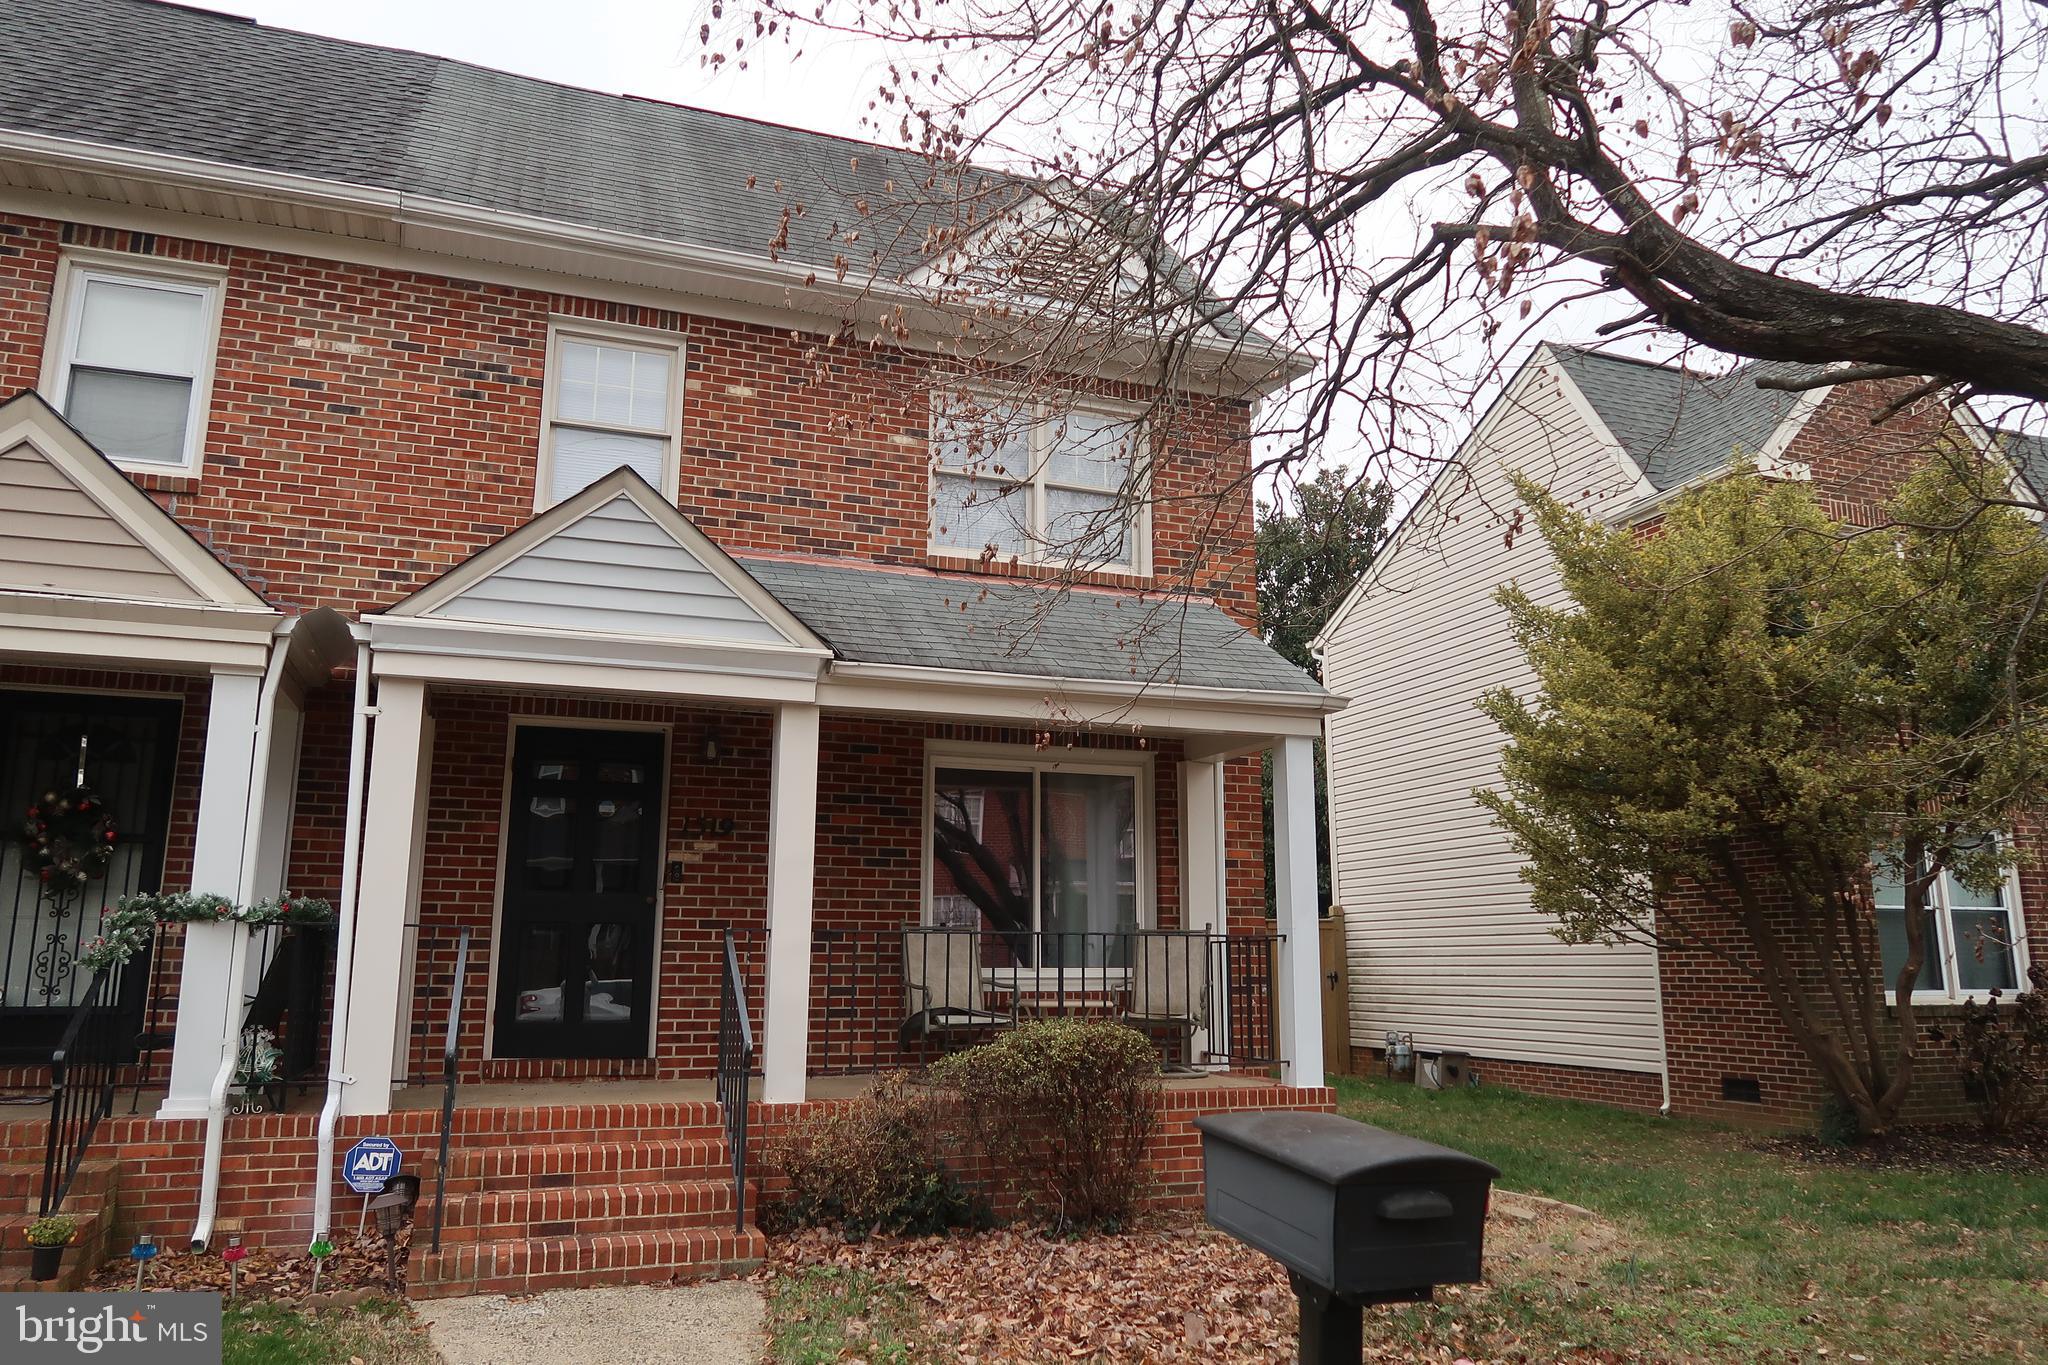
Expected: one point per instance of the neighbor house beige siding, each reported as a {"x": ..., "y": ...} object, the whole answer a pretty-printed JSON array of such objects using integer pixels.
[
  {"x": 56, "y": 537},
  {"x": 1443, "y": 941}
]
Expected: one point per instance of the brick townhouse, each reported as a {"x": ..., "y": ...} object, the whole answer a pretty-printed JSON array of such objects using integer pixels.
[
  {"x": 426, "y": 489},
  {"x": 1444, "y": 945}
]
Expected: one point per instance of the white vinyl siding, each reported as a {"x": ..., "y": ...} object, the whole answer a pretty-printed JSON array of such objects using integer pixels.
[
  {"x": 131, "y": 358},
  {"x": 616, "y": 572},
  {"x": 613, "y": 400},
  {"x": 56, "y": 537},
  {"x": 1443, "y": 942}
]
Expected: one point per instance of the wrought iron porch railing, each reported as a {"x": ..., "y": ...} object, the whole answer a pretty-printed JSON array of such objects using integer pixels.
[
  {"x": 735, "y": 1067},
  {"x": 450, "y": 1043},
  {"x": 902, "y": 996},
  {"x": 98, "y": 1040}
]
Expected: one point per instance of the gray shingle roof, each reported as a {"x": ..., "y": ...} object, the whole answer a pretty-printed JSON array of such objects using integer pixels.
[
  {"x": 931, "y": 620},
  {"x": 169, "y": 79},
  {"x": 1675, "y": 425}
]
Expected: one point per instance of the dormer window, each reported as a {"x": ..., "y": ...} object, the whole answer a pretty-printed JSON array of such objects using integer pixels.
[
  {"x": 1042, "y": 481},
  {"x": 614, "y": 398}
]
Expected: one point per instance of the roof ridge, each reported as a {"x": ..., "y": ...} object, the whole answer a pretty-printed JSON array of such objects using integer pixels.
[{"x": 442, "y": 60}]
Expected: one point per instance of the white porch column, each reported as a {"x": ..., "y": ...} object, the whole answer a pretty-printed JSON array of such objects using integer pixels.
[
  {"x": 389, "y": 820},
  {"x": 792, "y": 865},
  {"x": 1203, "y": 894},
  {"x": 210, "y": 983},
  {"x": 1294, "y": 895}
]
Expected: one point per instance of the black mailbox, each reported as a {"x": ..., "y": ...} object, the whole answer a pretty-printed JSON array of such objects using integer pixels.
[{"x": 1358, "y": 1215}]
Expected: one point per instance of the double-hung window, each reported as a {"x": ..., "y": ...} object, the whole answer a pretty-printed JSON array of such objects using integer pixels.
[
  {"x": 1047, "y": 858},
  {"x": 130, "y": 359},
  {"x": 614, "y": 398},
  {"x": 1047, "y": 481},
  {"x": 1973, "y": 938}
]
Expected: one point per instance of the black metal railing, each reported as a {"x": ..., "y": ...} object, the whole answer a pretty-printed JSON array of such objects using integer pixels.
[
  {"x": 450, "y": 1047},
  {"x": 735, "y": 1067},
  {"x": 890, "y": 997},
  {"x": 85, "y": 1068}
]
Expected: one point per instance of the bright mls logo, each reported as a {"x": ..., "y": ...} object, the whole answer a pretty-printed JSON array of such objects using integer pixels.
[{"x": 165, "y": 1329}]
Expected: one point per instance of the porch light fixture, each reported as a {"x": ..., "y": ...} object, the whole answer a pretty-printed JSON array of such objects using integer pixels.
[{"x": 711, "y": 746}]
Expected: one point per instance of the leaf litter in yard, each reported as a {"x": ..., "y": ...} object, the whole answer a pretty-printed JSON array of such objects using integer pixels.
[{"x": 1177, "y": 1290}]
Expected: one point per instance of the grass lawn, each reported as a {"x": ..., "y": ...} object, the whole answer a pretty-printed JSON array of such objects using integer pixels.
[
  {"x": 375, "y": 1334},
  {"x": 1730, "y": 1252},
  {"x": 824, "y": 1313}
]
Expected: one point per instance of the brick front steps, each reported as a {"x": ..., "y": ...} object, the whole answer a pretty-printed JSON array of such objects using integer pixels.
[
  {"x": 561, "y": 1197},
  {"x": 92, "y": 1201}
]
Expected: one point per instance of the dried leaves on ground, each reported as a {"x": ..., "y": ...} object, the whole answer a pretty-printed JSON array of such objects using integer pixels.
[
  {"x": 1957, "y": 1147},
  {"x": 1178, "y": 1290},
  {"x": 355, "y": 1271}
]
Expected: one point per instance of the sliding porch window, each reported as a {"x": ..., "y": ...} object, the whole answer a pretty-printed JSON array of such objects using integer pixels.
[{"x": 1046, "y": 859}]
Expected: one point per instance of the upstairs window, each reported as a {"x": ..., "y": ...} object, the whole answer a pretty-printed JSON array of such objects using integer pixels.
[
  {"x": 613, "y": 399},
  {"x": 1973, "y": 938},
  {"x": 1039, "y": 481},
  {"x": 131, "y": 363}
]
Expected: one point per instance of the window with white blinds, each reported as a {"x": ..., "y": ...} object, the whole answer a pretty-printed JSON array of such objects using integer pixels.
[
  {"x": 133, "y": 360},
  {"x": 610, "y": 403}
]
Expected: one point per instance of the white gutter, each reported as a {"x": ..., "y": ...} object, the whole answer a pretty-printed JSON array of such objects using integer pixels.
[
  {"x": 398, "y": 218},
  {"x": 1114, "y": 689},
  {"x": 255, "y": 798},
  {"x": 345, "y": 946}
]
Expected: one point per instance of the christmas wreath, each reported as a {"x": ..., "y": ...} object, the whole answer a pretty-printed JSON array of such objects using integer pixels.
[{"x": 69, "y": 837}]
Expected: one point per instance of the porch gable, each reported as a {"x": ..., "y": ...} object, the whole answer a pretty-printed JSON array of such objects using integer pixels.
[
  {"x": 618, "y": 560},
  {"x": 72, "y": 524}
]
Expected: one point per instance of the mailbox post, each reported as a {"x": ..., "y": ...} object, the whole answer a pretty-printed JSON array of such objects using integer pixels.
[{"x": 1358, "y": 1215}]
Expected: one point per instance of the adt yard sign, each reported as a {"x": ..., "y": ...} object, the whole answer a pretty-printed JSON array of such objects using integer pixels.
[{"x": 369, "y": 1164}]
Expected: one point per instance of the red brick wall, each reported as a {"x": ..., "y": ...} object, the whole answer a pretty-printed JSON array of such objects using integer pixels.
[{"x": 370, "y": 428}]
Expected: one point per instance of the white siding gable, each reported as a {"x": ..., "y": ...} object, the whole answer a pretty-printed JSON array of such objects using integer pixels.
[
  {"x": 54, "y": 537},
  {"x": 614, "y": 570},
  {"x": 1443, "y": 942}
]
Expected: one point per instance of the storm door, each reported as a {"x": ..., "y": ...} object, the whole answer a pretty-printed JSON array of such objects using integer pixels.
[
  {"x": 576, "y": 952},
  {"x": 58, "y": 750}
]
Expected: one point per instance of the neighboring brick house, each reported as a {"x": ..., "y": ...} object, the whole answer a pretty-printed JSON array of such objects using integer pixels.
[
  {"x": 478, "y": 472},
  {"x": 1444, "y": 944}
]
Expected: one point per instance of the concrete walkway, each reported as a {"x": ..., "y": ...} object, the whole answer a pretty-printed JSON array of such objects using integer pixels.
[{"x": 703, "y": 1324}]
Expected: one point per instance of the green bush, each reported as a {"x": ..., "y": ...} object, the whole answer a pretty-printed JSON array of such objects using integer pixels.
[
  {"x": 1062, "y": 1108},
  {"x": 1839, "y": 1125},
  {"x": 2002, "y": 1053},
  {"x": 872, "y": 1165}
]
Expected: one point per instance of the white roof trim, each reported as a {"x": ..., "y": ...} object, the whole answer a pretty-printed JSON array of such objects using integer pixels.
[
  {"x": 28, "y": 419},
  {"x": 622, "y": 482}
]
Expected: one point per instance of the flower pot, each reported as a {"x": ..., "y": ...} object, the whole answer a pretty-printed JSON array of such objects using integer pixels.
[{"x": 43, "y": 1262}]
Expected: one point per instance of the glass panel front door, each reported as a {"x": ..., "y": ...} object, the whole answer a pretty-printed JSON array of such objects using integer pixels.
[{"x": 582, "y": 859}]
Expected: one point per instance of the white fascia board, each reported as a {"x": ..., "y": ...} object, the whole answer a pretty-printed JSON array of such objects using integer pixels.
[
  {"x": 483, "y": 643},
  {"x": 451, "y": 228},
  {"x": 91, "y": 632},
  {"x": 1027, "y": 697}
]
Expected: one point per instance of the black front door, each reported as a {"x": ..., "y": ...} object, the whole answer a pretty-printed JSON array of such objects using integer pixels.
[
  {"x": 576, "y": 956},
  {"x": 125, "y": 750}
]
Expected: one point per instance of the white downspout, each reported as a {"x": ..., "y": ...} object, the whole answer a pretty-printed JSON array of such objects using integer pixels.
[
  {"x": 345, "y": 946},
  {"x": 1663, "y": 1042},
  {"x": 252, "y": 840}
]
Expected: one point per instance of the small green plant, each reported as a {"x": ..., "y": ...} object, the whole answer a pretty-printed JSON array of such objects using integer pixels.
[
  {"x": 2002, "y": 1055},
  {"x": 1063, "y": 1109},
  {"x": 55, "y": 1231},
  {"x": 872, "y": 1165}
]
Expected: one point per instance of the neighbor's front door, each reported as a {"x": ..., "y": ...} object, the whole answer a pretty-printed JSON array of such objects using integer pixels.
[{"x": 576, "y": 956}]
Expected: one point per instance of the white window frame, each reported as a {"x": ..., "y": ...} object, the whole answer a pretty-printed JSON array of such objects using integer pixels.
[
  {"x": 79, "y": 266},
  {"x": 1136, "y": 764},
  {"x": 1944, "y": 946},
  {"x": 618, "y": 335},
  {"x": 1043, "y": 417}
]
